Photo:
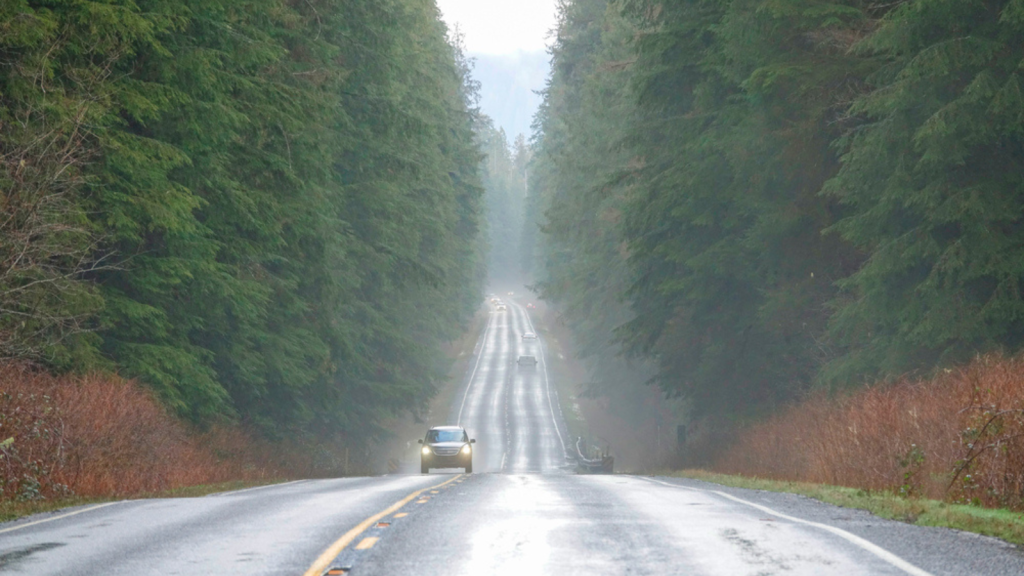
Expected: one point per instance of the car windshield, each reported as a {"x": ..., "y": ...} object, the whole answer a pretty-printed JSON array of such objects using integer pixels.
[{"x": 446, "y": 436}]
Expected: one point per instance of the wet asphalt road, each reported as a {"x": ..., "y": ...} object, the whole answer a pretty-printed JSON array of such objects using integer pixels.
[{"x": 523, "y": 512}]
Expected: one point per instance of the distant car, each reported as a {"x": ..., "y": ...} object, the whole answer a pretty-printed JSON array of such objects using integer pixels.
[
  {"x": 495, "y": 300},
  {"x": 500, "y": 308},
  {"x": 511, "y": 293},
  {"x": 530, "y": 305},
  {"x": 529, "y": 336},
  {"x": 527, "y": 361},
  {"x": 446, "y": 447}
]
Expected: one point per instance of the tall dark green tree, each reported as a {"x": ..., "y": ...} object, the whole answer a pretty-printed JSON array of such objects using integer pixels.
[
  {"x": 56, "y": 85},
  {"x": 933, "y": 184},
  {"x": 738, "y": 105},
  {"x": 291, "y": 191},
  {"x": 504, "y": 202},
  {"x": 507, "y": 191},
  {"x": 582, "y": 126},
  {"x": 692, "y": 152}
]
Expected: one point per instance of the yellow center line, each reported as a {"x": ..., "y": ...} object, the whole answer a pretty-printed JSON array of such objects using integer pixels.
[
  {"x": 401, "y": 515},
  {"x": 367, "y": 543},
  {"x": 332, "y": 552}
]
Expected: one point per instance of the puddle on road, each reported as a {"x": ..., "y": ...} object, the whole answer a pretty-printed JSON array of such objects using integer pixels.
[{"x": 517, "y": 540}]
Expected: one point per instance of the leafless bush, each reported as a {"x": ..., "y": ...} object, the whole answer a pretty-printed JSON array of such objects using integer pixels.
[
  {"x": 99, "y": 435},
  {"x": 959, "y": 436},
  {"x": 47, "y": 246}
]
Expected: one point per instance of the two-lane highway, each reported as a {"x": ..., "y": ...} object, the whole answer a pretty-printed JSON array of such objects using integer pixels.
[
  {"x": 273, "y": 530},
  {"x": 510, "y": 408},
  {"x": 523, "y": 512}
]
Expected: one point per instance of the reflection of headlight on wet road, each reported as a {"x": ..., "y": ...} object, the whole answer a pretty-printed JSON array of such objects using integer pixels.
[
  {"x": 426, "y": 451},
  {"x": 466, "y": 449}
]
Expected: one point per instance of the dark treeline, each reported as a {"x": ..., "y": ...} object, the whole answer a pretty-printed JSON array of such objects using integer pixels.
[
  {"x": 753, "y": 197},
  {"x": 505, "y": 184},
  {"x": 265, "y": 209}
]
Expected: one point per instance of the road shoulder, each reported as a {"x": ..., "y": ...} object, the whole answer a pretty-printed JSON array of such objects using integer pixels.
[
  {"x": 927, "y": 540},
  {"x": 1002, "y": 524},
  {"x": 12, "y": 511}
]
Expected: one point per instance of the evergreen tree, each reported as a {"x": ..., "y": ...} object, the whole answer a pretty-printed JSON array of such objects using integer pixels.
[
  {"x": 501, "y": 202},
  {"x": 932, "y": 180},
  {"x": 291, "y": 191},
  {"x": 695, "y": 149}
]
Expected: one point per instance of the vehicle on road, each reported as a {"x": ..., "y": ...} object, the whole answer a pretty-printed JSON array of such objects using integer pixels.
[
  {"x": 527, "y": 360},
  {"x": 500, "y": 308},
  {"x": 511, "y": 293},
  {"x": 446, "y": 447},
  {"x": 530, "y": 305},
  {"x": 529, "y": 336}
]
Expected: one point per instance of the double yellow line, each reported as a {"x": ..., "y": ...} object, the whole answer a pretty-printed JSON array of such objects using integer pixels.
[{"x": 322, "y": 563}]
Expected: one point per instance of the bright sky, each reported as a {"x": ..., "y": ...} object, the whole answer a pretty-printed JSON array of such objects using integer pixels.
[{"x": 501, "y": 26}]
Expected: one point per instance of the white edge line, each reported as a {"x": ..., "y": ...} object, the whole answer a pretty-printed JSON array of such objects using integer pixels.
[
  {"x": 472, "y": 375},
  {"x": 62, "y": 516},
  {"x": 514, "y": 343},
  {"x": 852, "y": 538},
  {"x": 547, "y": 384},
  {"x": 233, "y": 492}
]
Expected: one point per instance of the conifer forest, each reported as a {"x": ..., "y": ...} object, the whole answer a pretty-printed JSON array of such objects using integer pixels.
[
  {"x": 266, "y": 211},
  {"x": 284, "y": 290},
  {"x": 278, "y": 212},
  {"x": 753, "y": 199}
]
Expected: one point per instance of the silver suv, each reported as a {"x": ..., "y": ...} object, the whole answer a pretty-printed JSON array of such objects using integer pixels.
[{"x": 446, "y": 447}]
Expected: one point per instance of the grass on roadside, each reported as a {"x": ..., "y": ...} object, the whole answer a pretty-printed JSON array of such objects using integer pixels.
[
  {"x": 1002, "y": 524},
  {"x": 12, "y": 510},
  {"x": 207, "y": 489}
]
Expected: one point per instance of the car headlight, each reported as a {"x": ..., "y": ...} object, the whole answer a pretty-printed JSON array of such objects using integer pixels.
[
  {"x": 467, "y": 450},
  {"x": 426, "y": 451}
]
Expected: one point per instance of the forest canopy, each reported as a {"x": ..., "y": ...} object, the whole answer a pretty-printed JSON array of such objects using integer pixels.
[
  {"x": 264, "y": 210},
  {"x": 757, "y": 198}
]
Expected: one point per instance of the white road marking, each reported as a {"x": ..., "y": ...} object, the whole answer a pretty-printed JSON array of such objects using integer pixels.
[
  {"x": 509, "y": 386},
  {"x": 233, "y": 492},
  {"x": 62, "y": 516},
  {"x": 878, "y": 551},
  {"x": 475, "y": 366},
  {"x": 547, "y": 385}
]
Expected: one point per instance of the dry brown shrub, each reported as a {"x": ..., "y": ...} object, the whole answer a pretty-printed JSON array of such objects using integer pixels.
[
  {"x": 105, "y": 436},
  {"x": 959, "y": 436},
  {"x": 989, "y": 468}
]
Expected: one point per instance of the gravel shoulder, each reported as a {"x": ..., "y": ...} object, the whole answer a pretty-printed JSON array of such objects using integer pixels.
[{"x": 936, "y": 549}]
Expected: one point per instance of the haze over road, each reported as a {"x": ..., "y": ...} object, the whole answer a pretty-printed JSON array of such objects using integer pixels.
[{"x": 523, "y": 512}]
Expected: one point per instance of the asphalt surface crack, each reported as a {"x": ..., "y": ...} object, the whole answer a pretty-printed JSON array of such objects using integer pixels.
[
  {"x": 14, "y": 556},
  {"x": 753, "y": 553}
]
